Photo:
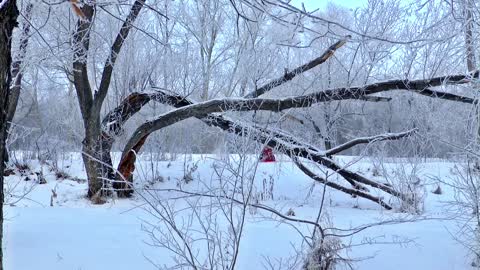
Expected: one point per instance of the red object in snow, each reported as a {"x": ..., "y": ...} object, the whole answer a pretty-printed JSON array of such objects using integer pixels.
[{"x": 267, "y": 155}]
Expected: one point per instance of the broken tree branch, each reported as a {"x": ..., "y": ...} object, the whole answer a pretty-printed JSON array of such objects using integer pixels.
[
  {"x": 288, "y": 76},
  {"x": 113, "y": 121},
  {"x": 341, "y": 188},
  {"x": 376, "y": 138},
  {"x": 201, "y": 110},
  {"x": 292, "y": 148},
  {"x": 205, "y": 109}
]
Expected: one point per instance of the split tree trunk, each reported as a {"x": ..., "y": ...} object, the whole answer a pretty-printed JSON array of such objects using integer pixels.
[
  {"x": 98, "y": 165},
  {"x": 97, "y": 143}
]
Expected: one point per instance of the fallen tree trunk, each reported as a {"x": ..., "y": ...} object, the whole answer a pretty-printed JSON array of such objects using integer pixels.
[
  {"x": 205, "y": 109},
  {"x": 200, "y": 110},
  {"x": 285, "y": 143},
  {"x": 292, "y": 148},
  {"x": 112, "y": 124}
]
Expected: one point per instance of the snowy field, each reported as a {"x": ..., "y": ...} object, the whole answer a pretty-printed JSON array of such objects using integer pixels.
[{"x": 53, "y": 226}]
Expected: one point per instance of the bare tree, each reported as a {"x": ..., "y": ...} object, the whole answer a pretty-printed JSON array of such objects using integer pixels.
[
  {"x": 8, "y": 21},
  {"x": 277, "y": 139},
  {"x": 96, "y": 145},
  {"x": 101, "y": 134}
]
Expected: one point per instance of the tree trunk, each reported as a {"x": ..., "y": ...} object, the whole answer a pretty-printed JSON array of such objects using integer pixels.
[
  {"x": 95, "y": 154},
  {"x": 17, "y": 74},
  {"x": 97, "y": 143},
  {"x": 98, "y": 162},
  {"x": 8, "y": 21}
]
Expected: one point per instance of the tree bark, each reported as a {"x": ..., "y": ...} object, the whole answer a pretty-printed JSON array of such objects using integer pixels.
[
  {"x": 469, "y": 40},
  {"x": 17, "y": 73},
  {"x": 97, "y": 143},
  {"x": 8, "y": 21}
]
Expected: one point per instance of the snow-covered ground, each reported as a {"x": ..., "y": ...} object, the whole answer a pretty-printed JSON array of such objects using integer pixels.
[{"x": 66, "y": 231}]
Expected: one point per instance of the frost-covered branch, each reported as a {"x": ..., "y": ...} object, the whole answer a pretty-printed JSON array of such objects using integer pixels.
[
  {"x": 114, "y": 52},
  {"x": 113, "y": 121},
  {"x": 376, "y": 138},
  {"x": 338, "y": 187},
  {"x": 294, "y": 148},
  {"x": 201, "y": 110},
  {"x": 288, "y": 76}
]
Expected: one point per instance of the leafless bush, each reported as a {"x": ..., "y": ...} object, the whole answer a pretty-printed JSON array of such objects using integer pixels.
[
  {"x": 16, "y": 187},
  {"x": 206, "y": 232},
  {"x": 404, "y": 175},
  {"x": 150, "y": 173},
  {"x": 188, "y": 173},
  {"x": 324, "y": 249},
  {"x": 324, "y": 255},
  {"x": 267, "y": 188},
  {"x": 466, "y": 206}
]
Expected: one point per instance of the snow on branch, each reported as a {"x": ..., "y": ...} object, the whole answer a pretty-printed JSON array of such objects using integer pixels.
[
  {"x": 2, "y": 3},
  {"x": 353, "y": 192},
  {"x": 443, "y": 95},
  {"x": 293, "y": 148},
  {"x": 288, "y": 145},
  {"x": 372, "y": 139},
  {"x": 288, "y": 76}
]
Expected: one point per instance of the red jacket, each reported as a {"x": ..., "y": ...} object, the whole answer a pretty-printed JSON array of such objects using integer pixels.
[{"x": 267, "y": 155}]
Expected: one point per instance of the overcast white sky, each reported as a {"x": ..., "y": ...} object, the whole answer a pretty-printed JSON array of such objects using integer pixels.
[{"x": 314, "y": 4}]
